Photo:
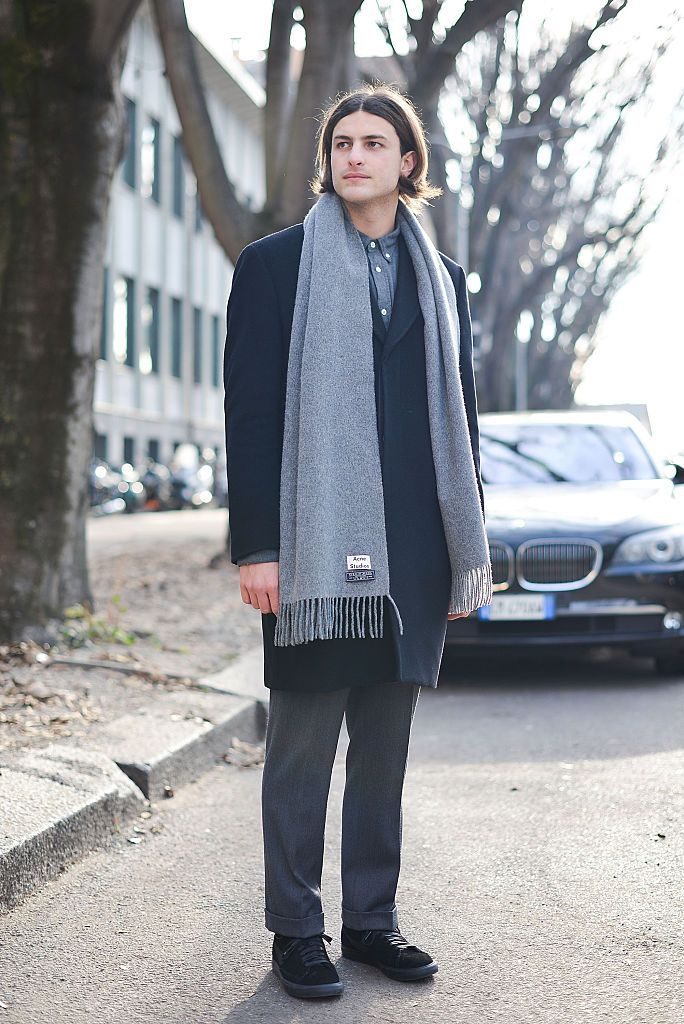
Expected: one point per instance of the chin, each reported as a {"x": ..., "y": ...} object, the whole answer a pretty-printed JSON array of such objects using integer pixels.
[{"x": 355, "y": 193}]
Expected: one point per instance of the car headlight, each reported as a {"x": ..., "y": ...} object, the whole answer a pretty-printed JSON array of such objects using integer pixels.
[{"x": 659, "y": 546}]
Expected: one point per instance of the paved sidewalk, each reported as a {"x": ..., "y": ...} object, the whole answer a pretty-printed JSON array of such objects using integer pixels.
[
  {"x": 133, "y": 701},
  {"x": 61, "y": 801}
]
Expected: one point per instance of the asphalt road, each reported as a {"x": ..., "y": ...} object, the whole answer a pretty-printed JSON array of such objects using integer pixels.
[{"x": 542, "y": 867}]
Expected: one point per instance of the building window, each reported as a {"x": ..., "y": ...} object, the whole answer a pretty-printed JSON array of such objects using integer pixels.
[
  {"x": 100, "y": 446},
  {"x": 149, "y": 356},
  {"x": 129, "y": 450},
  {"x": 123, "y": 321},
  {"x": 131, "y": 156},
  {"x": 104, "y": 323},
  {"x": 176, "y": 338},
  {"x": 215, "y": 352},
  {"x": 178, "y": 178},
  {"x": 153, "y": 449},
  {"x": 197, "y": 345},
  {"x": 150, "y": 161},
  {"x": 199, "y": 216}
]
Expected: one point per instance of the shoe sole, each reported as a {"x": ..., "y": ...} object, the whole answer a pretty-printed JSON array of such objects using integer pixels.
[
  {"x": 334, "y": 988},
  {"x": 396, "y": 973}
]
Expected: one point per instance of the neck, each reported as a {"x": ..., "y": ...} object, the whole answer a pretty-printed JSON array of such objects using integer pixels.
[{"x": 375, "y": 218}]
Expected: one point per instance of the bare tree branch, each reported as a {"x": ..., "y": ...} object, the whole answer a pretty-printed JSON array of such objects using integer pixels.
[
  {"x": 233, "y": 223},
  {"x": 437, "y": 59},
  {"x": 550, "y": 237}
]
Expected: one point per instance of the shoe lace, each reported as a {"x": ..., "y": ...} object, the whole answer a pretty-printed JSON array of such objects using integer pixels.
[
  {"x": 311, "y": 950},
  {"x": 396, "y": 939}
]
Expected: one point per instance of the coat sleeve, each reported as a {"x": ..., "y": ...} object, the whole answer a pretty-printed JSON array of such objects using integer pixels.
[
  {"x": 468, "y": 373},
  {"x": 253, "y": 375}
]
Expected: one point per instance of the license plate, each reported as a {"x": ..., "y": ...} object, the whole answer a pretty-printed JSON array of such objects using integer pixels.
[{"x": 507, "y": 607}]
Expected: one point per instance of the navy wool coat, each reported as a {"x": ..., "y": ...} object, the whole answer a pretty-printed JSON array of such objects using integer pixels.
[{"x": 259, "y": 323}]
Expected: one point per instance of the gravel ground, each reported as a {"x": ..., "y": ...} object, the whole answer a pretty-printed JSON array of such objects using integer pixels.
[{"x": 167, "y": 601}]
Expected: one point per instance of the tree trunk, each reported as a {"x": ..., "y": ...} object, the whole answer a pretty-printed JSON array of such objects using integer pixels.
[
  {"x": 328, "y": 37},
  {"x": 60, "y": 141},
  {"x": 277, "y": 111}
]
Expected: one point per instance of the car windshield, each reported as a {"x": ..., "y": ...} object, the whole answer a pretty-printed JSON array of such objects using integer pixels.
[{"x": 582, "y": 453}]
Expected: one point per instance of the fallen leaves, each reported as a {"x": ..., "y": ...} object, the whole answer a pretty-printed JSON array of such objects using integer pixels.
[{"x": 244, "y": 754}]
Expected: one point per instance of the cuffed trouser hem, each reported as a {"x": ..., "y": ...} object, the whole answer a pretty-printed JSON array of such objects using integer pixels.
[
  {"x": 301, "y": 927},
  {"x": 385, "y": 919}
]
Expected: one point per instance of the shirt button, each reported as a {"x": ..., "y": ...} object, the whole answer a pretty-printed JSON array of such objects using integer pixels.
[
  {"x": 384, "y": 312},
  {"x": 379, "y": 269},
  {"x": 372, "y": 245},
  {"x": 387, "y": 256}
]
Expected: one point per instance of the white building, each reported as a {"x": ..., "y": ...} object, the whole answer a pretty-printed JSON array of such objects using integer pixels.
[{"x": 159, "y": 375}]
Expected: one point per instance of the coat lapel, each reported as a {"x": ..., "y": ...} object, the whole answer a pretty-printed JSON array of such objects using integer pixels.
[{"x": 406, "y": 307}]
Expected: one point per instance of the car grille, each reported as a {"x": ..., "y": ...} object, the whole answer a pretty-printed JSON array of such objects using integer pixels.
[
  {"x": 502, "y": 564},
  {"x": 546, "y": 564},
  {"x": 550, "y": 564}
]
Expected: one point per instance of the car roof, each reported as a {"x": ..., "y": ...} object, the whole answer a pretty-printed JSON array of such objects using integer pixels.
[{"x": 554, "y": 417}]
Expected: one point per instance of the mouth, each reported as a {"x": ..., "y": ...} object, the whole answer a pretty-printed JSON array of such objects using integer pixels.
[{"x": 356, "y": 177}]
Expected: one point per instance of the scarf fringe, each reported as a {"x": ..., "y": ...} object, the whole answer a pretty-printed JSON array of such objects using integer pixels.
[
  {"x": 471, "y": 589},
  {"x": 325, "y": 618}
]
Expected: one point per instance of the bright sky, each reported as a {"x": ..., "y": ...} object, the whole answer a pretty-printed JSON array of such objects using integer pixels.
[{"x": 640, "y": 355}]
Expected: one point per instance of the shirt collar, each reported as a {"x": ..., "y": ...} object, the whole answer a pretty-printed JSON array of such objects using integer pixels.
[{"x": 386, "y": 243}]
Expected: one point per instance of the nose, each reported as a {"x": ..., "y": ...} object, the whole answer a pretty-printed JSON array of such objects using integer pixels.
[{"x": 355, "y": 154}]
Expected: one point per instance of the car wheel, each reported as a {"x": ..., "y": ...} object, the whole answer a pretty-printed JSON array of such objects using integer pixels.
[{"x": 669, "y": 665}]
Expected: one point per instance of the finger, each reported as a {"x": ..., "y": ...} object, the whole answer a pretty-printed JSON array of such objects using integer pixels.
[
  {"x": 273, "y": 600},
  {"x": 244, "y": 594}
]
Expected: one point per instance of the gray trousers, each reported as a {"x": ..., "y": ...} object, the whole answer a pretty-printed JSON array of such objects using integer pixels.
[{"x": 301, "y": 741}]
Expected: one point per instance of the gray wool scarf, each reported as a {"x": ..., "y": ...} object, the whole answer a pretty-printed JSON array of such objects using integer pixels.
[{"x": 334, "y": 570}]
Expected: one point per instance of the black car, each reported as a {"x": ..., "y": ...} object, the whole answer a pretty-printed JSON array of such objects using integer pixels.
[{"x": 586, "y": 531}]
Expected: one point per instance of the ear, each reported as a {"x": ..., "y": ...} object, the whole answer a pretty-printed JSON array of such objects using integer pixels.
[{"x": 408, "y": 162}]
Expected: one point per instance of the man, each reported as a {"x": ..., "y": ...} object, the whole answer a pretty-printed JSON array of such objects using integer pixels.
[{"x": 356, "y": 517}]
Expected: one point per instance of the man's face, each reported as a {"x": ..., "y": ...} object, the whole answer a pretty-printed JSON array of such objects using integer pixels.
[{"x": 366, "y": 159}]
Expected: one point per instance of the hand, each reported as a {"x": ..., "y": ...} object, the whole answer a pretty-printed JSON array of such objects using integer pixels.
[
  {"x": 259, "y": 586},
  {"x": 458, "y": 615}
]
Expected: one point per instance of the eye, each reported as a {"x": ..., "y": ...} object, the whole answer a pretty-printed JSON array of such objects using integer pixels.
[{"x": 374, "y": 142}]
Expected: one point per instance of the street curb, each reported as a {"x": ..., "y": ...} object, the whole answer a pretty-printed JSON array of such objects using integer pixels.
[
  {"x": 58, "y": 803},
  {"x": 165, "y": 746},
  {"x": 63, "y": 803}
]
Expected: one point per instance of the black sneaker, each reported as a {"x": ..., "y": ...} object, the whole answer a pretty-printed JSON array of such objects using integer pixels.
[
  {"x": 304, "y": 967},
  {"x": 389, "y": 951}
]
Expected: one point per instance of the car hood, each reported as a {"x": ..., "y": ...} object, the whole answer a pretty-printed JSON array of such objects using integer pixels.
[{"x": 623, "y": 506}]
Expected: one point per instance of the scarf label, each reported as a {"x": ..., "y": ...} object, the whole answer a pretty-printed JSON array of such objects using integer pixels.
[
  {"x": 359, "y": 575},
  {"x": 359, "y": 568}
]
